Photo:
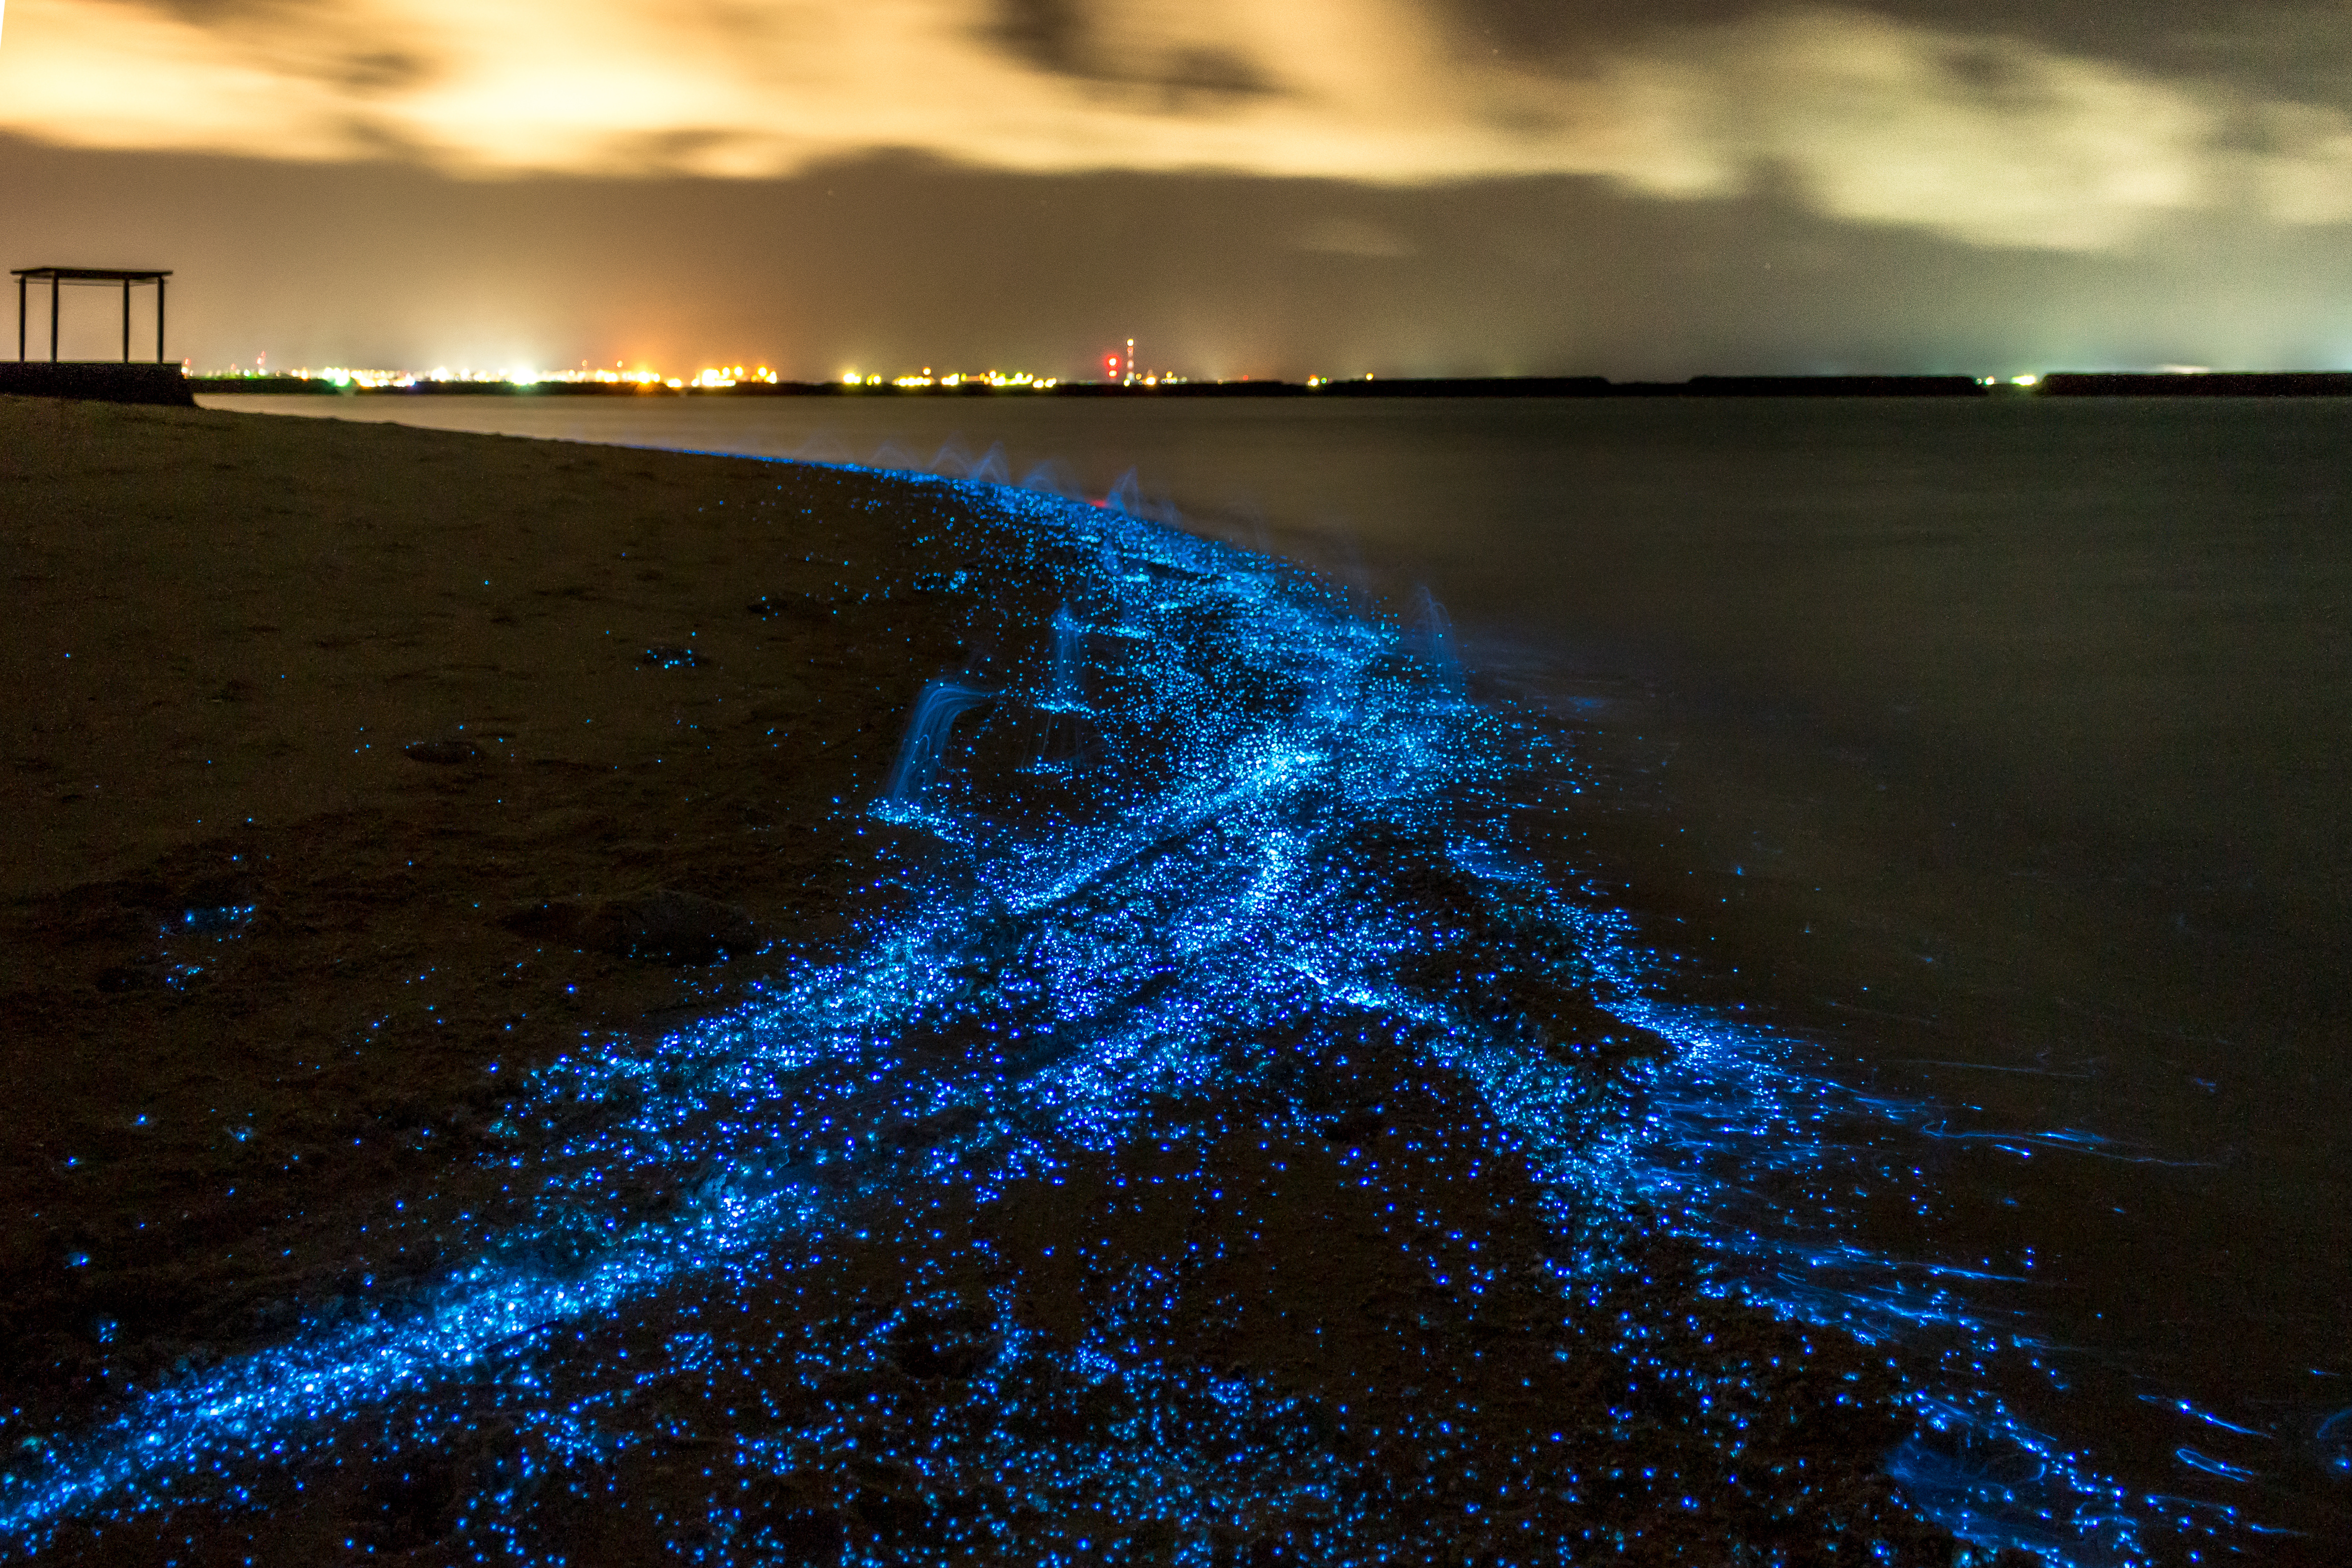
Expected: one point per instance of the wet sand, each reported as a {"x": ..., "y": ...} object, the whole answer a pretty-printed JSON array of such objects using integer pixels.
[
  {"x": 227, "y": 635},
  {"x": 354, "y": 771}
]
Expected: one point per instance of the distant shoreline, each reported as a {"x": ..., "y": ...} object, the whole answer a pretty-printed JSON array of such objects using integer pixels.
[
  {"x": 2067, "y": 383},
  {"x": 107, "y": 382}
]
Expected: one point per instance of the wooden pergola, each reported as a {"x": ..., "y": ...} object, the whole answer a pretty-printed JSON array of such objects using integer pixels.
[{"x": 56, "y": 277}]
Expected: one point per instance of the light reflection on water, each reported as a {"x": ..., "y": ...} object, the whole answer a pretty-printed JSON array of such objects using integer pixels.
[{"x": 1078, "y": 959}]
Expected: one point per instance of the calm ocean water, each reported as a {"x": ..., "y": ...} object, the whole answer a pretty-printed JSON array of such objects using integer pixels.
[{"x": 1988, "y": 761}]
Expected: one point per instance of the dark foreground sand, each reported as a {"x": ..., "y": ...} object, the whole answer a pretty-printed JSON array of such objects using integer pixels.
[{"x": 352, "y": 770}]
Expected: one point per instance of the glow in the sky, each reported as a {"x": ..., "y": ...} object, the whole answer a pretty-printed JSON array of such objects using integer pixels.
[{"x": 1988, "y": 137}]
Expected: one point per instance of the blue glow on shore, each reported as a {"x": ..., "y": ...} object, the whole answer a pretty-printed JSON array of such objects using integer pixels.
[{"x": 1169, "y": 864}]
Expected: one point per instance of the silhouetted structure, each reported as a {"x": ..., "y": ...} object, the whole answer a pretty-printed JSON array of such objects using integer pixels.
[
  {"x": 2201, "y": 383},
  {"x": 99, "y": 380},
  {"x": 58, "y": 277}
]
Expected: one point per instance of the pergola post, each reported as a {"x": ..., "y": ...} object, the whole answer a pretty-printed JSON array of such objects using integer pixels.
[{"x": 58, "y": 277}]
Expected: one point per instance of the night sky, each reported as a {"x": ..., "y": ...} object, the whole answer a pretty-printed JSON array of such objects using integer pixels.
[{"x": 1259, "y": 187}]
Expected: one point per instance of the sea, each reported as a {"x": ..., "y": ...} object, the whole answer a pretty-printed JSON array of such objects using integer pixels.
[{"x": 1972, "y": 776}]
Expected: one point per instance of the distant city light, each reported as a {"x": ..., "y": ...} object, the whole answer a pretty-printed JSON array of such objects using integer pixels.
[
  {"x": 1119, "y": 369},
  {"x": 996, "y": 380},
  {"x": 349, "y": 376}
]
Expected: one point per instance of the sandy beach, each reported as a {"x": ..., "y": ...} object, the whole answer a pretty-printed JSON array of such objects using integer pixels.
[
  {"x": 355, "y": 773},
  {"x": 264, "y": 959}
]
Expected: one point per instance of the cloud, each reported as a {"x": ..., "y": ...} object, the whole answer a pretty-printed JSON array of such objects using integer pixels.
[
  {"x": 1353, "y": 237},
  {"x": 2302, "y": 175},
  {"x": 1986, "y": 139}
]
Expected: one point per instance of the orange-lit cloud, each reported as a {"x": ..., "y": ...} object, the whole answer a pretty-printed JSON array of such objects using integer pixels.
[{"x": 1988, "y": 140}]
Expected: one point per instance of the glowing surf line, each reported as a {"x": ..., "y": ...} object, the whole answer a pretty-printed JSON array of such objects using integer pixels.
[
  {"x": 1227, "y": 805},
  {"x": 232, "y": 1411}
]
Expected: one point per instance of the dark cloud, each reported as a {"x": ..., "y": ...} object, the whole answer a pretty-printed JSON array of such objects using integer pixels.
[
  {"x": 1050, "y": 35},
  {"x": 215, "y": 13},
  {"x": 890, "y": 264},
  {"x": 2300, "y": 50},
  {"x": 2097, "y": 27},
  {"x": 1188, "y": 74},
  {"x": 383, "y": 71},
  {"x": 1068, "y": 38}
]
